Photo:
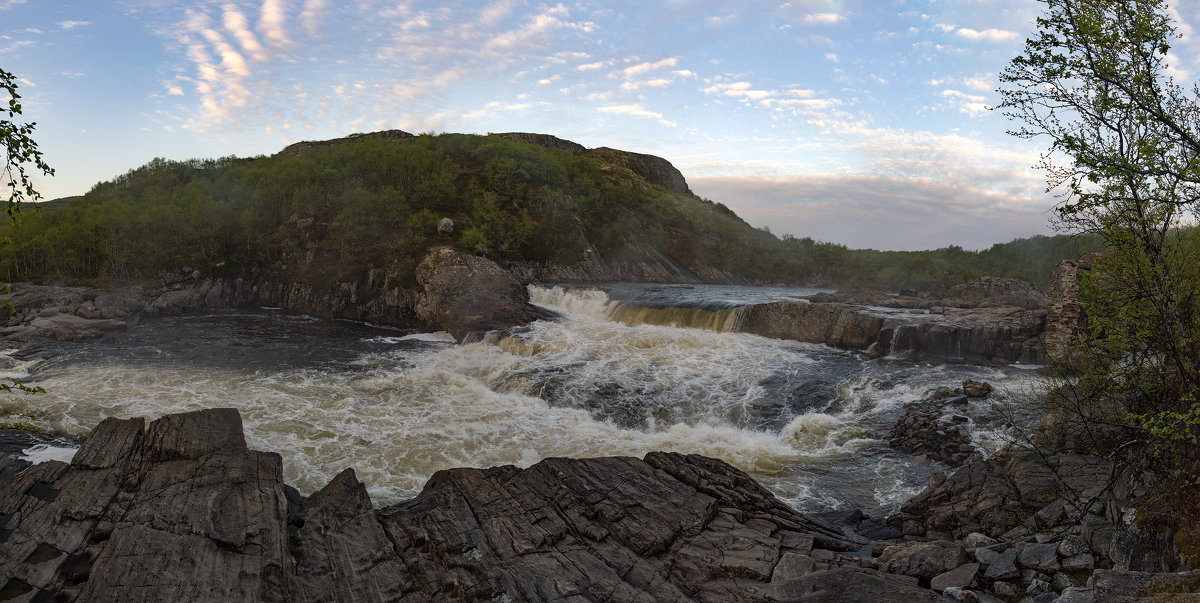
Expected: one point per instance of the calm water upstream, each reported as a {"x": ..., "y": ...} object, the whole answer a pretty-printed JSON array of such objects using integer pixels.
[{"x": 809, "y": 422}]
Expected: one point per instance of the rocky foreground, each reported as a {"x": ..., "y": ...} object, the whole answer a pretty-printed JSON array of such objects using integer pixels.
[{"x": 181, "y": 509}]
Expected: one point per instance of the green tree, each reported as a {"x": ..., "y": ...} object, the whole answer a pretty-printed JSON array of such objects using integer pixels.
[
  {"x": 1124, "y": 155},
  {"x": 19, "y": 150}
]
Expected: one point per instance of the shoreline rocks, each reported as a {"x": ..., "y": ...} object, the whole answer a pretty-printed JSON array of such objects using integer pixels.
[{"x": 182, "y": 509}]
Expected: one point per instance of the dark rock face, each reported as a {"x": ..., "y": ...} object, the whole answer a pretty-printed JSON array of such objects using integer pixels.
[
  {"x": 835, "y": 325},
  {"x": 1065, "y": 319},
  {"x": 995, "y": 495},
  {"x": 183, "y": 510},
  {"x": 995, "y": 334},
  {"x": 999, "y": 291},
  {"x": 67, "y": 313},
  {"x": 467, "y": 294}
]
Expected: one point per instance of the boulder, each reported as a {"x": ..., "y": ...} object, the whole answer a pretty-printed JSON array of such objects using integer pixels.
[
  {"x": 466, "y": 295},
  {"x": 960, "y": 577},
  {"x": 923, "y": 559}
]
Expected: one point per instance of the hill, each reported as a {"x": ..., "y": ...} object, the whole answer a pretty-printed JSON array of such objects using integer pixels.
[
  {"x": 365, "y": 208},
  {"x": 328, "y": 211}
]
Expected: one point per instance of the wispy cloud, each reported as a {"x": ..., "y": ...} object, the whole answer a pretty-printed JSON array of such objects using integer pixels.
[
  {"x": 69, "y": 25},
  {"x": 271, "y": 23},
  {"x": 638, "y": 111},
  {"x": 7, "y": 4},
  {"x": 987, "y": 35},
  {"x": 822, "y": 18}
]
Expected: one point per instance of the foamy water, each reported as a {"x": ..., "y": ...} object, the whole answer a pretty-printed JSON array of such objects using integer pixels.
[{"x": 807, "y": 421}]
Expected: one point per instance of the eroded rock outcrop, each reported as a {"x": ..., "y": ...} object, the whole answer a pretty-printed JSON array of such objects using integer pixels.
[{"x": 183, "y": 510}]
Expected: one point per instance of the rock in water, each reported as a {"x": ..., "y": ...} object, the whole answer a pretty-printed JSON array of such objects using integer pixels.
[
  {"x": 184, "y": 511},
  {"x": 466, "y": 295}
]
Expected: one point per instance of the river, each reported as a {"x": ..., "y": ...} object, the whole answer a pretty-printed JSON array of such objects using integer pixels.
[{"x": 627, "y": 370}]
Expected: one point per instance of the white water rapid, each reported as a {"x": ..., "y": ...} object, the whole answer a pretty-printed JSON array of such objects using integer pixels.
[{"x": 807, "y": 421}]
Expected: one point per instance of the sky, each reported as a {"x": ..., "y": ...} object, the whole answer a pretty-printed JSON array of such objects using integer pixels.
[{"x": 861, "y": 122}]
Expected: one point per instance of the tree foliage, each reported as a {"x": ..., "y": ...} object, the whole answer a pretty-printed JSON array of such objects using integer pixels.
[
  {"x": 20, "y": 150},
  {"x": 1124, "y": 155}
]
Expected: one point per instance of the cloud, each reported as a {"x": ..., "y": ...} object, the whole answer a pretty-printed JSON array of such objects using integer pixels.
[
  {"x": 7, "y": 4},
  {"x": 643, "y": 68},
  {"x": 69, "y": 25},
  {"x": 871, "y": 211},
  {"x": 970, "y": 104},
  {"x": 987, "y": 35},
  {"x": 822, "y": 18},
  {"x": 271, "y": 23},
  {"x": 238, "y": 26},
  {"x": 637, "y": 111}
]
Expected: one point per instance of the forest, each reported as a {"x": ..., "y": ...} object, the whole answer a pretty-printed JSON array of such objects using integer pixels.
[{"x": 373, "y": 202}]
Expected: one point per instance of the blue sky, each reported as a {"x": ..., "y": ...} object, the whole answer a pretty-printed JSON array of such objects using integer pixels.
[{"x": 861, "y": 122}]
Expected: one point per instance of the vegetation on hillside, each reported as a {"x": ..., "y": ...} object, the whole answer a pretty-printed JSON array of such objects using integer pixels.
[{"x": 368, "y": 204}]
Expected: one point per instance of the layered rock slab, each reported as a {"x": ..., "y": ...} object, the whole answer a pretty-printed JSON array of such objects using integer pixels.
[{"x": 183, "y": 510}]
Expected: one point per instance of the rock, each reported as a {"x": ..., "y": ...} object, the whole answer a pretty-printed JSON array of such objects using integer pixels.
[
  {"x": 1004, "y": 566},
  {"x": 1037, "y": 587},
  {"x": 1083, "y": 561},
  {"x": 975, "y": 539},
  {"x": 183, "y": 510},
  {"x": 446, "y": 227},
  {"x": 1116, "y": 585},
  {"x": 972, "y": 596},
  {"x": 1065, "y": 318},
  {"x": 959, "y": 577},
  {"x": 1041, "y": 556},
  {"x": 835, "y": 325},
  {"x": 1077, "y": 594},
  {"x": 1008, "y": 590},
  {"x": 977, "y": 389},
  {"x": 996, "y": 495},
  {"x": 924, "y": 559},
  {"x": 1072, "y": 546},
  {"x": 844, "y": 584},
  {"x": 69, "y": 327},
  {"x": 998, "y": 290},
  {"x": 466, "y": 295}
]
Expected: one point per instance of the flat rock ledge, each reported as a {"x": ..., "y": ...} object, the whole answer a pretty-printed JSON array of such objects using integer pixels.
[{"x": 182, "y": 510}]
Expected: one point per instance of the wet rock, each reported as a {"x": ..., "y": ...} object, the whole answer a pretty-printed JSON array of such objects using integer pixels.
[
  {"x": 467, "y": 295},
  {"x": 977, "y": 389}
]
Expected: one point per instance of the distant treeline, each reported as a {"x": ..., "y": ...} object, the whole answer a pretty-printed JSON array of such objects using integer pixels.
[{"x": 340, "y": 212}]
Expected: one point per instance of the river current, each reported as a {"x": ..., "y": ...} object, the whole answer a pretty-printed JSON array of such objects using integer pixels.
[{"x": 627, "y": 370}]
